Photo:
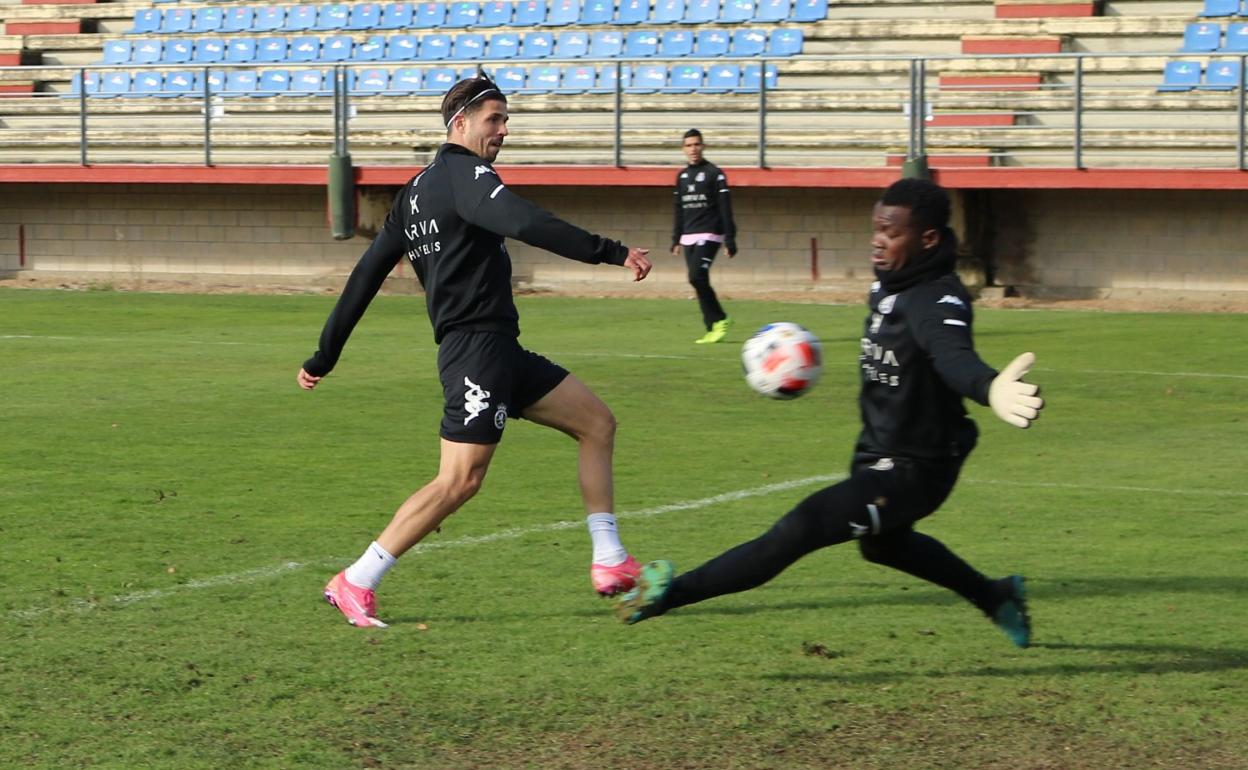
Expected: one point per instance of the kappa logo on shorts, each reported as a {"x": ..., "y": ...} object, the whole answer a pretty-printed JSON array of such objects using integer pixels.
[
  {"x": 474, "y": 400},
  {"x": 882, "y": 464},
  {"x": 500, "y": 416}
]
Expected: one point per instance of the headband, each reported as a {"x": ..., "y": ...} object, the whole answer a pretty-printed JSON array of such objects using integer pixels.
[{"x": 470, "y": 101}]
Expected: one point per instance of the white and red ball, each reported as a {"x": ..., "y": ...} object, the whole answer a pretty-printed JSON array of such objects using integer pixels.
[{"x": 782, "y": 360}]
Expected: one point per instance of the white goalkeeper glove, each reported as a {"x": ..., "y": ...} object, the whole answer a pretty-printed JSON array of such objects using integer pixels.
[{"x": 1012, "y": 399}]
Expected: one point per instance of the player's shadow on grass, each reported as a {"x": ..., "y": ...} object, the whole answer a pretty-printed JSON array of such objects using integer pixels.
[{"x": 1111, "y": 658}]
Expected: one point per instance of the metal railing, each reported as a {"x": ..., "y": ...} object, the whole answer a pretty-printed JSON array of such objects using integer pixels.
[{"x": 1086, "y": 109}]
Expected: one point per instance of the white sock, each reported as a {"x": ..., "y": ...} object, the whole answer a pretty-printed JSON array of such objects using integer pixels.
[
  {"x": 371, "y": 567},
  {"x": 607, "y": 549}
]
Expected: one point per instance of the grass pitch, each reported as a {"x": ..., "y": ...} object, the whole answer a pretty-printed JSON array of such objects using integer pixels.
[{"x": 172, "y": 505}]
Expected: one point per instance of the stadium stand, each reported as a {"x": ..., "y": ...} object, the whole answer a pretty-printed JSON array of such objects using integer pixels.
[{"x": 1012, "y": 110}]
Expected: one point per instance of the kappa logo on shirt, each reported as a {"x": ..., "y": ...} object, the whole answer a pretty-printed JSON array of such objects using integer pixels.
[
  {"x": 474, "y": 400},
  {"x": 479, "y": 170},
  {"x": 886, "y": 304},
  {"x": 949, "y": 299}
]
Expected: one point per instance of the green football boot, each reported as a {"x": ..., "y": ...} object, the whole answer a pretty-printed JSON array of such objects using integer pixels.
[{"x": 646, "y": 599}]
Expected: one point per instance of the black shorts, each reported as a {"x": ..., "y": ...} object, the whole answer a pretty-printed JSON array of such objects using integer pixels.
[{"x": 487, "y": 377}]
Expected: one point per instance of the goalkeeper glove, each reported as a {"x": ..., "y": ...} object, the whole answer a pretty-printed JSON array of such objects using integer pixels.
[{"x": 1012, "y": 399}]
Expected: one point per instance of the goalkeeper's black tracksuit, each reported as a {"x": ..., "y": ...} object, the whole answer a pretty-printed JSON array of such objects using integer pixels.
[
  {"x": 449, "y": 222},
  {"x": 918, "y": 363},
  {"x": 703, "y": 205}
]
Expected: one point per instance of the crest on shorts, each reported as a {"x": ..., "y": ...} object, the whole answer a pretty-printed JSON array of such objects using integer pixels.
[{"x": 500, "y": 416}]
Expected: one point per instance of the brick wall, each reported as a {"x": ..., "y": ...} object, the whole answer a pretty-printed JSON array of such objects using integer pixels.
[{"x": 1073, "y": 241}]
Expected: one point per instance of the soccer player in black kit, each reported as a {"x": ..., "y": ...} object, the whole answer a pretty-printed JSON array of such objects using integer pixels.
[
  {"x": 703, "y": 220},
  {"x": 449, "y": 223},
  {"x": 918, "y": 363}
]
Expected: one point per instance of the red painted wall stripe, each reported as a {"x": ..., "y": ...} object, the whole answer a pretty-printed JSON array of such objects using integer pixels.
[
  {"x": 987, "y": 45},
  {"x": 1042, "y": 10},
  {"x": 43, "y": 27}
]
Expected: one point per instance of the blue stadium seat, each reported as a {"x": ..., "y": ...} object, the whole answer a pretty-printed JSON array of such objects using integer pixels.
[
  {"x": 429, "y": 16},
  {"x": 645, "y": 79},
  {"x": 504, "y": 45},
  {"x": 216, "y": 82},
  {"x": 271, "y": 49},
  {"x": 93, "y": 83},
  {"x": 605, "y": 44},
  {"x": 1221, "y": 8},
  {"x": 771, "y": 10},
  {"x": 785, "y": 42},
  {"x": 331, "y": 17},
  {"x": 633, "y": 12},
  {"x": 737, "y": 11},
  {"x": 685, "y": 78},
  {"x": 241, "y": 50},
  {"x": 370, "y": 81},
  {"x": 240, "y": 83},
  {"x": 435, "y": 47},
  {"x": 238, "y": 19},
  {"x": 178, "y": 50},
  {"x": 608, "y": 79},
  {"x": 721, "y": 78},
  {"x": 751, "y": 74},
  {"x": 496, "y": 13},
  {"x": 177, "y": 20},
  {"x": 337, "y": 48},
  {"x": 1236, "y": 38},
  {"x": 406, "y": 80},
  {"x": 462, "y": 14},
  {"x": 146, "y": 21},
  {"x": 576, "y": 79},
  {"x": 306, "y": 48},
  {"x": 116, "y": 52},
  {"x": 163, "y": 1},
  {"x": 536, "y": 45},
  {"x": 372, "y": 49},
  {"x": 676, "y": 42},
  {"x": 178, "y": 83},
  {"x": 268, "y": 18},
  {"x": 712, "y": 42},
  {"x": 208, "y": 19},
  {"x": 1221, "y": 76},
  {"x": 542, "y": 80},
  {"x": 208, "y": 50},
  {"x": 809, "y": 10},
  {"x": 572, "y": 44},
  {"x": 396, "y": 16},
  {"x": 146, "y": 83},
  {"x": 300, "y": 18},
  {"x": 272, "y": 83},
  {"x": 596, "y": 12},
  {"x": 468, "y": 46},
  {"x": 561, "y": 13},
  {"x": 438, "y": 81},
  {"x": 309, "y": 82},
  {"x": 364, "y": 16},
  {"x": 641, "y": 42},
  {"x": 701, "y": 11},
  {"x": 529, "y": 13},
  {"x": 510, "y": 79},
  {"x": 748, "y": 42},
  {"x": 668, "y": 11},
  {"x": 402, "y": 48},
  {"x": 114, "y": 84},
  {"x": 1201, "y": 37},
  {"x": 146, "y": 52}
]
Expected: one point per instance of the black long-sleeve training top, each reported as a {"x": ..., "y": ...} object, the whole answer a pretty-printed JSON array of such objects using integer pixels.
[
  {"x": 918, "y": 362},
  {"x": 450, "y": 221},
  {"x": 703, "y": 204}
]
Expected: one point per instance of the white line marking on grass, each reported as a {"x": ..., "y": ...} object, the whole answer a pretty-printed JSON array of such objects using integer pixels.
[
  {"x": 1112, "y": 488},
  {"x": 265, "y": 573},
  {"x": 247, "y": 576}
]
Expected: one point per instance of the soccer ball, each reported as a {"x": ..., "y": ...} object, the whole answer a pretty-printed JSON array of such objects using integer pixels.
[{"x": 782, "y": 360}]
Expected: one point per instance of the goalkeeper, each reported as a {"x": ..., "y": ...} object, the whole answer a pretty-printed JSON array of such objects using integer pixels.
[{"x": 918, "y": 363}]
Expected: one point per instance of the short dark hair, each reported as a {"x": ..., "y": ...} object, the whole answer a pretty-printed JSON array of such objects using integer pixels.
[
  {"x": 466, "y": 97},
  {"x": 692, "y": 132},
  {"x": 928, "y": 202}
]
